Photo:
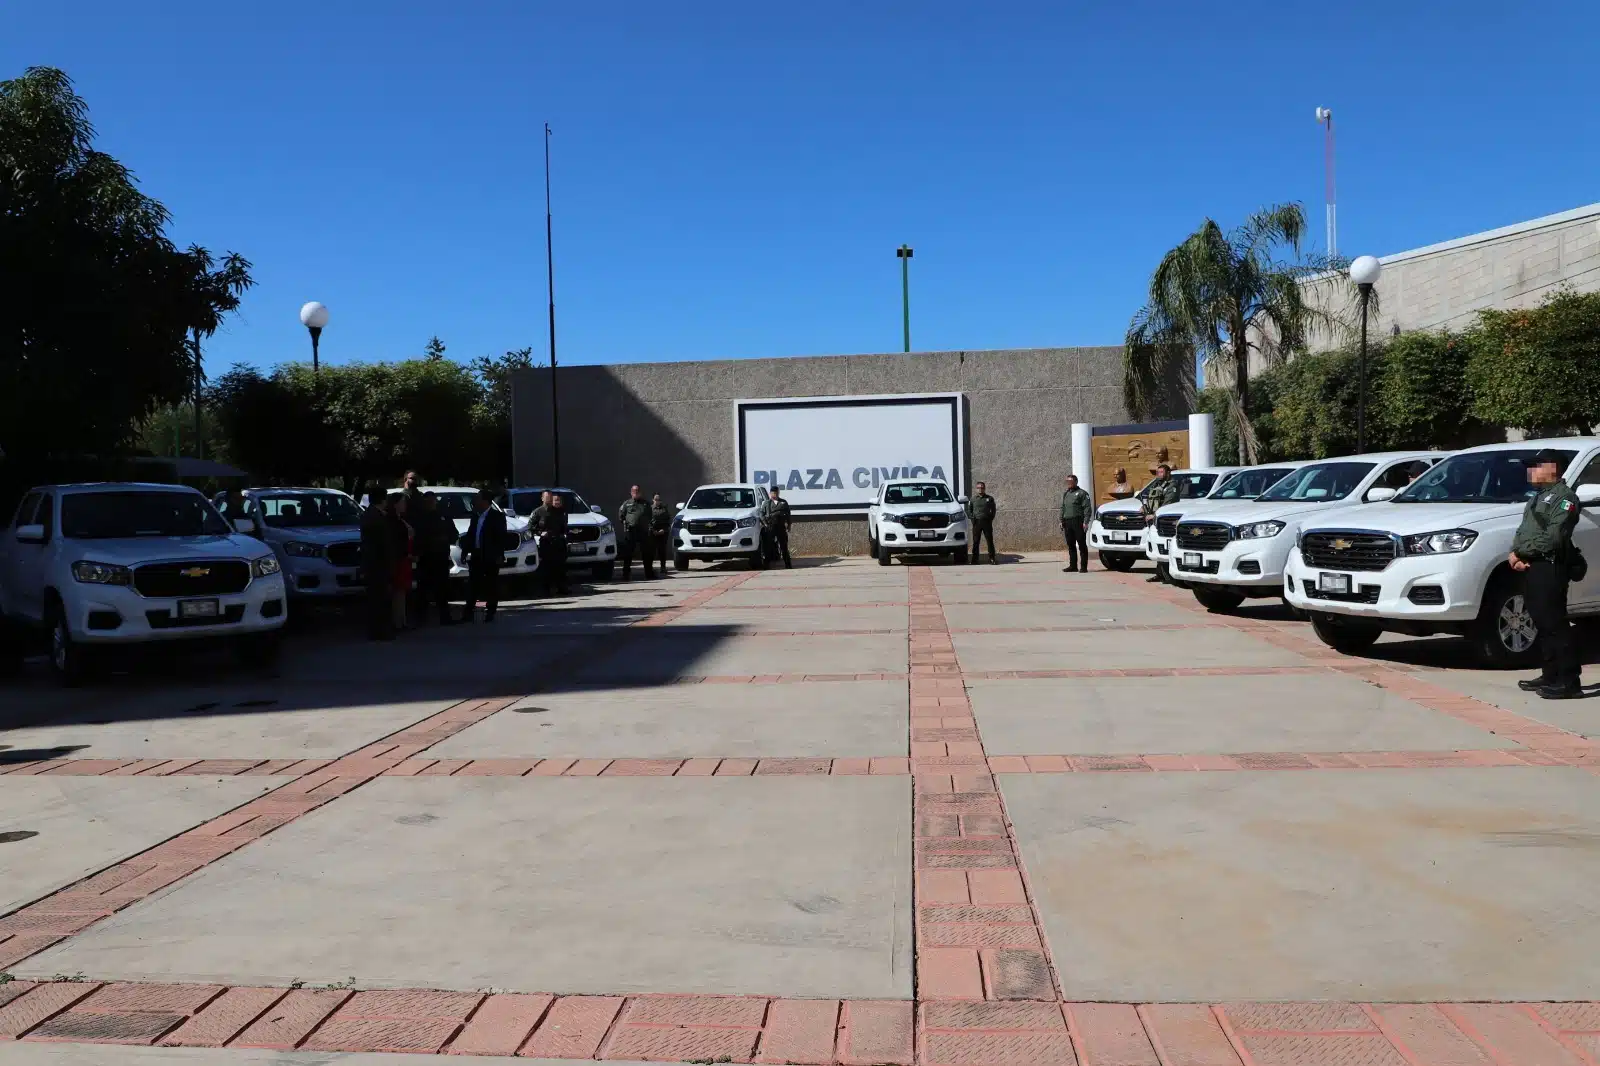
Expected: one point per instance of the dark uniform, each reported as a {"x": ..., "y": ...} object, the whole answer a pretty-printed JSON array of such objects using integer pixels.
[
  {"x": 981, "y": 509},
  {"x": 660, "y": 533},
  {"x": 633, "y": 531},
  {"x": 1163, "y": 490},
  {"x": 775, "y": 522},
  {"x": 1077, "y": 511},
  {"x": 435, "y": 533},
  {"x": 549, "y": 524},
  {"x": 378, "y": 559},
  {"x": 1544, "y": 542}
]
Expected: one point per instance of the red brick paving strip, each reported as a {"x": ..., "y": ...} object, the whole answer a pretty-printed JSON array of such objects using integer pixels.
[{"x": 501, "y": 1024}]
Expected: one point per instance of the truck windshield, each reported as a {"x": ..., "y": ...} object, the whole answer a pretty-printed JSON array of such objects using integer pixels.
[
  {"x": 108, "y": 515},
  {"x": 721, "y": 499},
  {"x": 1193, "y": 486},
  {"x": 1320, "y": 482},
  {"x": 925, "y": 492},
  {"x": 1499, "y": 476},
  {"x": 525, "y": 501},
  {"x": 300, "y": 509},
  {"x": 1248, "y": 484}
]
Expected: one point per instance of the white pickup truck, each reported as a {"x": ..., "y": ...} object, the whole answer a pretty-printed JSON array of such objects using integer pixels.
[
  {"x": 1434, "y": 559},
  {"x": 1230, "y": 557},
  {"x": 591, "y": 539},
  {"x": 1119, "y": 531},
  {"x": 1233, "y": 489},
  {"x": 718, "y": 522},
  {"x": 108, "y": 565},
  {"x": 918, "y": 516}
]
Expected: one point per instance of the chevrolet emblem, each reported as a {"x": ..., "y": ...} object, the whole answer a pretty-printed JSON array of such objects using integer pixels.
[
  {"x": 195, "y": 571},
  {"x": 1341, "y": 545}
]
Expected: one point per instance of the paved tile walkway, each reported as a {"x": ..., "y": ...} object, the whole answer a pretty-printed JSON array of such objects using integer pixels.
[{"x": 841, "y": 814}]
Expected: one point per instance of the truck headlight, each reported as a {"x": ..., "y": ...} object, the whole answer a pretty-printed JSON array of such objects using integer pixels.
[
  {"x": 1446, "y": 542},
  {"x": 1259, "y": 529},
  {"x": 302, "y": 549},
  {"x": 747, "y": 523},
  {"x": 605, "y": 527},
  {"x": 893, "y": 520},
  {"x": 265, "y": 566},
  {"x": 91, "y": 573}
]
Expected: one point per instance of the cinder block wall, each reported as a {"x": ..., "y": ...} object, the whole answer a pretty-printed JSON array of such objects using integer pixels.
[{"x": 669, "y": 426}]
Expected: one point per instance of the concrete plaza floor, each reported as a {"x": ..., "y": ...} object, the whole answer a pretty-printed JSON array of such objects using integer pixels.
[{"x": 840, "y": 813}]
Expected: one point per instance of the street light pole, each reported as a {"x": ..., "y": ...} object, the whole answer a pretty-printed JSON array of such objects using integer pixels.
[
  {"x": 1325, "y": 117},
  {"x": 314, "y": 316},
  {"x": 1364, "y": 272},
  {"x": 550, "y": 275},
  {"x": 903, "y": 253}
]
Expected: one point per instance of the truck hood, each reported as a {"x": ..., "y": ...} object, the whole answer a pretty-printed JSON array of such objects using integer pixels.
[
  {"x": 135, "y": 551},
  {"x": 1115, "y": 506},
  {"x": 954, "y": 510},
  {"x": 514, "y": 524},
  {"x": 318, "y": 534},
  {"x": 1202, "y": 508},
  {"x": 1408, "y": 518},
  {"x": 1302, "y": 511},
  {"x": 733, "y": 513}
]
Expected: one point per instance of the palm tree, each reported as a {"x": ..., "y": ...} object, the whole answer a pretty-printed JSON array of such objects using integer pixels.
[
  {"x": 1221, "y": 296},
  {"x": 214, "y": 292}
]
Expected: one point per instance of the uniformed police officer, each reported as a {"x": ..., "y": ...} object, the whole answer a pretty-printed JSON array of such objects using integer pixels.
[
  {"x": 776, "y": 523},
  {"x": 633, "y": 531},
  {"x": 1163, "y": 490},
  {"x": 549, "y": 524},
  {"x": 1542, "y": 552},
  {"x": 660, "y": 531},
  {"x": 981, "y": 509},
  {"x": 1077, "y": 511}
]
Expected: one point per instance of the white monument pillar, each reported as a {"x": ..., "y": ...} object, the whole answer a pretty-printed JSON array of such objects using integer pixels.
[
  {"x": 1083, "y": 456},
  {"x": 1200, "y": 438}
]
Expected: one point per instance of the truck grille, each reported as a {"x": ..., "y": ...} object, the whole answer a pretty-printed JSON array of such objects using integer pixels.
[
  {"x": 511, "y": 541},
  {"x": 710, "y": 525},
  {"x": 205, "y": 577},
  {"x": 925, "y": 521},
  {"x": 1347, "y": 551},
  {"x": 1167, "y": 525},
  {"x": 345, "y": 554},
  {"x": 1122, "y": 519},
  {"x": 1204, "y": 536},
  {"x": 583, "y": 533}
]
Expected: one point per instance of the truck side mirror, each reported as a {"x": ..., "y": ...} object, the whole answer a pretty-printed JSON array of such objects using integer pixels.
[
  {"x": 244, "y": 525},
  {"x": 31, "y": 534},
  {"x": 679, "y": 505},
  {"x": 1379, "y": 493},
  {"x": 595, "y": 509},
  {"x": 1588, "y": 496}
]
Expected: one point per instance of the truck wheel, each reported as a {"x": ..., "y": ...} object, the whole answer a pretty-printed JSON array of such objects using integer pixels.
[
  {"x": 604, "y": 571},
  {"x": 757, "y": 560},
  {"x": 872, "y": 543},
  {"x": 1348, "y": 636},
  {"x": 1504, "y": 636},
  {"x": 69, "y": 661},
  {"x": 1118, "y": 561},
  {"x": 884, "y": 558},
  {"x": 680, "y": 561},
  {"x": 961, "y": 557},
  {"x": 259, "y": 651},
  {"x": 1215, "y": 600}
]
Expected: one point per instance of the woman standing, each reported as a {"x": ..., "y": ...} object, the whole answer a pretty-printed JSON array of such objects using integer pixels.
[{"x": 406, "y": 550}]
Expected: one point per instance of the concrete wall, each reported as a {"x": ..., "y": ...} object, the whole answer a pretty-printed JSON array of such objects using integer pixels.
[{"x": 669, "y": 426}]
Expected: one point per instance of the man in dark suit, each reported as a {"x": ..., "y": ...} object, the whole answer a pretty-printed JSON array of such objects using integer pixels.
[
  {"x": 378, "y": 559},
  {"x": 484, "y": 546}
]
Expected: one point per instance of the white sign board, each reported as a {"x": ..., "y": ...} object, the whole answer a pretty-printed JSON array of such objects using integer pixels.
[{"x": 829, "y": 454}]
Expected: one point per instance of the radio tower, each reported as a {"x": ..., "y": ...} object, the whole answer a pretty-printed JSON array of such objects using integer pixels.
[{"x": 1325, "y": 117}]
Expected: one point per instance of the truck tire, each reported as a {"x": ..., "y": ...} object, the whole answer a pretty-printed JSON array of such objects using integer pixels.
[
  {"x": 69, "y": 660},
  {"x": 1347, "y": 636},
  {"x": 1503, "y": 636},
  {"x": 1217, "y": 600},
  {"x": 961, "y": 557},
  {"x": 884, "y": 558},
  {"x": 757, "y": 560},
  {"x": 1121, "y": 562},
  {"x": 260, "y": 651}
]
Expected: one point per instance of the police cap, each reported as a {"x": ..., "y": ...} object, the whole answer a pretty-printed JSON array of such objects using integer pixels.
[{"x": 1547, "y": 455}]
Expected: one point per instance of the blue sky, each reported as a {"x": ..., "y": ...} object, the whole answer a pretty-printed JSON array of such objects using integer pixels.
[{"x": 732, "y": 179}]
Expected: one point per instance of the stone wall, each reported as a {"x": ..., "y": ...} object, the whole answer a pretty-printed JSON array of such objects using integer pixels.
[{"x": 669, "y": 426}]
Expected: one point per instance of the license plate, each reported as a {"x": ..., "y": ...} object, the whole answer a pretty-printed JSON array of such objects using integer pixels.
[
  {"x": 199, "y": 608},
  {"x": 713, "y": 542},
  {"x": 1117, "y": 538},
  {"x": 927, "y": 534},
  {"x": 580, "y": 551},
  {"x": 1192, "y": 559},
  {"x": 1333, "y": 582}
]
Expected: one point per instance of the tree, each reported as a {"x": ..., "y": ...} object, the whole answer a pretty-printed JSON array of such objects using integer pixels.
[
  {"x": 96, "y": 305},
  {"x": 434, "y": 349},
  {"x": 493, "y": 415},
  {"x": 214, "y": 292},
  {"x": 1536, "y": 369},
  {"x": 1222, "y": 296},
  {"x": 1419, "y": 397}
]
